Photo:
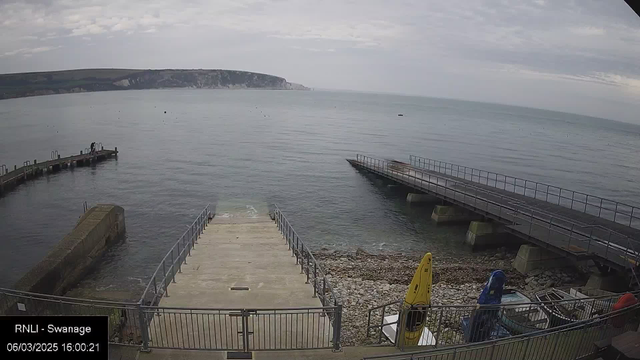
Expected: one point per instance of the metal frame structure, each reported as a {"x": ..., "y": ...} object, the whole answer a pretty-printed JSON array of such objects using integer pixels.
[{"x": 570, "y": 341}]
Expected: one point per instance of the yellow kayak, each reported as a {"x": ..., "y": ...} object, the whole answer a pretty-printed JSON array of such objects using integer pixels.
[{"x": 418, "y": 295}]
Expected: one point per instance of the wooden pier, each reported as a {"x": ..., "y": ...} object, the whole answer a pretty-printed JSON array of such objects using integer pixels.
[{"x": 29, "y": 170}]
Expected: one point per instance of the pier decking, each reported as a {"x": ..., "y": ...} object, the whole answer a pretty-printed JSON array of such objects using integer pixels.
[
  {"x": 241, "y": 289},
  {"x": 239, "y": 253},
  {"x": 11, "y": 179}
]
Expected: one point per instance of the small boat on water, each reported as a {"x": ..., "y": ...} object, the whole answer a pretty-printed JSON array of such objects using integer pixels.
[
  {"x": 521, "y": 319},
  {"x": 563, "y": 308}
]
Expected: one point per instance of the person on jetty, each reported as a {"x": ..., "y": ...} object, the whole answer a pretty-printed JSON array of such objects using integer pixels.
[{"x": 93, "y": 147}]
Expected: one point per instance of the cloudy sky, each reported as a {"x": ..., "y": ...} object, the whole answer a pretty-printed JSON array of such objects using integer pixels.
[{"x": 579, "y": 56}]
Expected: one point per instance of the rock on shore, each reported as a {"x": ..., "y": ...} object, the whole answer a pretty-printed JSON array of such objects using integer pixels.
[{"x": 362, "y": 281}]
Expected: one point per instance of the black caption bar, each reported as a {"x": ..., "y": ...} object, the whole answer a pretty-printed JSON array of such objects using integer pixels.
[{"x": 40, "y": 337}]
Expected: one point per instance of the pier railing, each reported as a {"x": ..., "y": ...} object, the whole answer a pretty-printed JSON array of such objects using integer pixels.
[
  {"x": 615, "y": 211},
  {"x": 308, "y": 264},
  {"x": 192, "y": 328},
  {"x": 542, "y": 226},
  {"x": 450, "y": 325},
  {"x": 243, "y": 330},
  {"x": 570, "y": 341},
  {"x": 171, "y": 263}
]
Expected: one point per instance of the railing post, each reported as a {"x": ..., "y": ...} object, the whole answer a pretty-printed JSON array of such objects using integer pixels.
[
  {"x": 570, "y": 235},
  {"x": 155, "y": 287},
  {"x": 180, "y": 257},
  {"x": 173, "y": 264},
  {"x": 337, "y": 327},
  {"x": 599, "y": 209},
  {"x": 143, "y": 329},
  {"x": 245, "y": 330},
  {"x": 547, "y": 197},
  {"x": 400, "y": 327},
  {"x": 315, "y": 279},
  {"x": 301, "y": 257},
  {"x": 324, "y": 290},
  {"x": 164, "y": 280},
  {"x": 437, "y": 335},
  {"x": 308, "y": 264}
]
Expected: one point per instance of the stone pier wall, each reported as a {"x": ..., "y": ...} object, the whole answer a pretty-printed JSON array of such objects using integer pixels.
[{"x": 98, "y": 229}]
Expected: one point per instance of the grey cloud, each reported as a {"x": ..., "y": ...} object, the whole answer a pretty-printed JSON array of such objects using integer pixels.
[{"x": 428, "y": 47}]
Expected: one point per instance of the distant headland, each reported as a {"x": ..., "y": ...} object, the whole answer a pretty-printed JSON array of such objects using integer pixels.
[{"x": 85, "y": 80}]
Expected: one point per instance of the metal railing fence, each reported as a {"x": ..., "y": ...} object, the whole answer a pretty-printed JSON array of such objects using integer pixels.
[
  {"x": 563, "y": 233},
  {"x": 594, "y": 205},
  {"x": 446, "y": 327},
  {"x": 243, "y": 329},
  {"x": 192, "y": 328},
  {"x": 569, "y": 341},
  {"x": 308, "y": 264},
  {"x": 172, "y": 262}
]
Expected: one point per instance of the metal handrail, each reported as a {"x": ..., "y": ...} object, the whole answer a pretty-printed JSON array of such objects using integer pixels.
[
  {"x": 187, "y": 241},
  {"x": 492, "y": 179},
  {"x": 506, "y": 213},
  {"x": 596, "y": 304},
  {"x": 583, "y": 324},
  {"x": 298, "y": 248}
]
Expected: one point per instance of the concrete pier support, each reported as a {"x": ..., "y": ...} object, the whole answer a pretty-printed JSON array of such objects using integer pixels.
[
  {"x": 486, "y": 234},
  {"x": 532, "y": 257},
  {"x": 452, "y": 214},
  {"x": 421, "y": 198},
  {"x": 607, "y": 282}
]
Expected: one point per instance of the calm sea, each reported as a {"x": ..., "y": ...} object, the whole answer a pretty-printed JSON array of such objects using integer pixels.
[{"x": 242, "y": 150}]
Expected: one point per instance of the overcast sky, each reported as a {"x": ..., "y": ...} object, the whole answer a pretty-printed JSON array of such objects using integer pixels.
[{"x": 578, "y": 56}]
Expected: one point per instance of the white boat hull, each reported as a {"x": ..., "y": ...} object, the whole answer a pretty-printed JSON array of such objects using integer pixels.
[{"x": 390, "y": 328}]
